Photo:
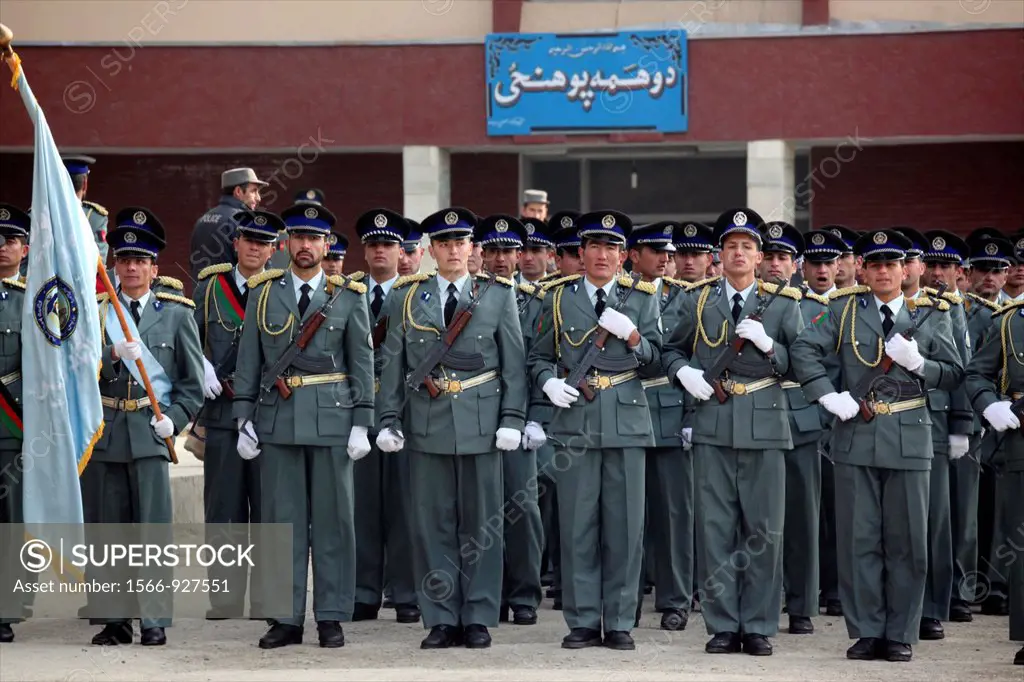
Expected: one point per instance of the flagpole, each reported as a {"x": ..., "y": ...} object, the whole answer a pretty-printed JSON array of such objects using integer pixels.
[{"x": 7, "y": 53}]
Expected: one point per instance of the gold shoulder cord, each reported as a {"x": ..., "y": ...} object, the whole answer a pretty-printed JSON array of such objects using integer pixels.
[
  {"x": 701, "y": 333},
  {"x": 261, "y": 313},
  {"x": 407, "y": 313},
  {"x": 852, "y": 303},
  {"x": 558, "y": 326},
  {"x": 1006, "y": 340},
  {"x": 103, "y": 319}
]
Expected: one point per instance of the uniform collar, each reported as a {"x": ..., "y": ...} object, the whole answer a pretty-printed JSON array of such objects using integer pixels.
[
  {"x": 592, "y": 288},
  {"x": 460, "y": 283},
  {"x": 314, "y": 283},
  {"x": 895, "y": 305},
  {"x": 730, "y": 291},
  {"x": 385, "y": 286},
  {"x": 143, "y": 300}
]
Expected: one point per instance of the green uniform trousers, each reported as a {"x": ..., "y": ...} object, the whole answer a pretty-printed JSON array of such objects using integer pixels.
[
  {"x": 547, "y": 500},
  {"x": 383, "y": 542},
  {"x": 524, "y": 533},
  {"x": 1014, "y": 481},
  {"x": 741, "y": 498},
  {"x": 882, "y": 543},
  {"x": 310, "y": 488},
  {"x": 939, "y": 587},
  {"x": 670, "y": 526},
  {"x": 231, "y": 495},
  {"x": 1000, "y": 555},
  {"x": 11, "y": 511},
  {"x": 138, "y": 491},
  {"x": 800, "y": 540},
  {"x": 964, "y": 482},
  {"x": 457, "y": 537},
  {"x": 601, "y": 518},
  {"x": 828, "y": 572}
]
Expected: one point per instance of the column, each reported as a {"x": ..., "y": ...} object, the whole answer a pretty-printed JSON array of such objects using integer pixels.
[
  {"x": 770, "y": 189},
  {"x": 426, "y": 182}
]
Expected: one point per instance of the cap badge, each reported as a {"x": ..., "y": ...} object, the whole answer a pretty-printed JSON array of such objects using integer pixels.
[
  {"x": 668, "y": 231},
  {"x": 566, "y": 221},
  {"x": 5, "y": 214},
  {"x": 817, "y": 239},
  {"x": 451, "y": 217},
  {"x": 380, "y": 220},
  {"x": 690, "y": 230},
  {"x": 608, "y": 221},
  {"x": 880, "y": 238},
  {"x": 991, "y": 249},
  {"x": 139, "y": 218},
  {"x": 740, "y": 219},
  {"x": 530, "y": 228},
  {"x": 310, "y": 194},
  {"x": 311, "y": 213},
  {"x": 775, "y": 232},
  {"x": 1020, "y": 245},
  {"x": 938, "y": 243},
  {"x": 130, "y": 238},
  {"x": 332, "y": 240},
  {"x": 501, "y": 225},
  {"x": 259, "y": 220},
  {"x": 837, "y": 232}
]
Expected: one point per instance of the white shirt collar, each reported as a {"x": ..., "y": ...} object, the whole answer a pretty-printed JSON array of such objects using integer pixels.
[
  {"x": 240, "y": 279},
  {"x": 385, "y": 286},
  {"x": 442, "y": 285},
  {"x": 592, "y": 288},
  {"x": 314, "y": 283},
  {"x": 142, "y": 301},
  {"x": 895, "y": 305},
  {"x": 730, "y": 291}
]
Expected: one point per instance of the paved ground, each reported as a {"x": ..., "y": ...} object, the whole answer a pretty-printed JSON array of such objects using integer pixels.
[{"x": 385, "y": 650}]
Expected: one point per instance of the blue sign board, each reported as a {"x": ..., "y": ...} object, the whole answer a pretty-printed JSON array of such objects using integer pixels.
[{"x": 545, "y": 83}]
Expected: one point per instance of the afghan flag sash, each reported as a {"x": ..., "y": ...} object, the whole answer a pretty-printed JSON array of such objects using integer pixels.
[
  {"x": 10, "y": 414},
  {"x": 229, "y": 301}
]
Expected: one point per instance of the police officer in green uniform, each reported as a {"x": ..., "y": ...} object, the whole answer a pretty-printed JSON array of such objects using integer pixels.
[
  {"x": 995, "y": 383},
  {"x": 669, "y": 477},
  {"x": 306, "y": 473},
  {"x": 565, "y": 232},
  {"x": 334, "y": 259},
  {"x": 738, "y": 444},
  {"x": 78, "y": 168},
  {"x": 501, "y": 238},
  {"x": 882, "y": 465},
  {"x": 783, "y": 244},
  {"x": 14, "y": 229},
  {"x": 460, "y": 418},
  {"x": 599, "y": 460},
  {"x": 231, "y": 485},
  {"x": 412, "y": 250},
  {"x": 127, "y": 479},
  {"x": 382, "y": 485}
]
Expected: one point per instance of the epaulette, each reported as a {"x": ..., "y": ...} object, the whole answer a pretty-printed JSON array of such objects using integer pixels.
[
  {"x": 409, "y": 279},
  {"x": 94, "y": 206},
  {"x": 264, "y": 276},
  {"x": 816, "y": 297},
  {"x": 1012, "y": 305},
  {"x": 788, "y": 292},
  {"x": 501, "y": 280},
  {"x": 550, "y": 284},
  {"x": 983, "y": 301},
  {"x": 849, "y": 291},
  {"x": 357, "y": 276},
  {"x": 339, "y": 281},
  {"x": 549, "y": 277},
  {"x": 701, "y": 282},
  {"x": 928, "y": 302},
  {"x": 675, "y": 282},
  {"x": 170, "y": 282},
  {"x": 646, "y": 287},
  {"x": 954, "y": 298},
  {"x": 14, "y": 283},
  {"x": 215, "y": 270},
  {"x": 177, "y": 299},
  {"x": 527, "y": 288}
]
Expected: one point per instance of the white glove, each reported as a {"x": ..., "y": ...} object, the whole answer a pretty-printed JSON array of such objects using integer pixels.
[
  {"x": 507, "y": 439},
  {"x": 211, "y": 384},
  {"x": 686, "y": 436},
  {"x": 753, "y": 331},
  {"x": 534, "y": 436},
  {"x": 248, "y": 443},
  {"x": 904, "y": 352},
  {"x": 693, "y": 381},
  {"x": 128, "y": 351},
  {"x": 163, "y": 428},
  {"x": 841, "y": 405},
  {"x": 358, "y": 443},
  {"x": 560, "y": 393},
  {"x": 958, "y": 445},
  {"x": 617, "y": 324},
  {"x": 390, "y": 440},
  {"x": 1000, "y": 416}
]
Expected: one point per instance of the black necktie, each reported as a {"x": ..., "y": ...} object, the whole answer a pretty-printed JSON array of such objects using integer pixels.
[
  {"x": 304, "y": 298},
  {"x": 244, "y": 290},
  {"x": 450, "y": 304},
  {"x": 886, "y": 320},
  {"x": 737, "y": 307},
  {"x": 134, "y": 307},
  {"x": 378, "y": 301},
  {"x": 600, "y": 305}
]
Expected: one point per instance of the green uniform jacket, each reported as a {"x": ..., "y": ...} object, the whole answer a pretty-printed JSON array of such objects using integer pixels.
[
  {"x": 807, "y": 420},
  {"x": 667, "y": 401},
  {"x": 756, "y": 421},
  {"x": 980, "y": 322},
  {"x": 460, "y": 423},
  {"x": 378, "y": 353},
  {"x": 619, "y": 417},
  {"x": 324, "y": 414},
  {"x": 530, "y": 300},
  {"x": 853, "y": 330},
  {"x": 169, "y": 331},
  {"x": 97, "y": 216},
  {"x": 219, "y": 314},
  {"x": 997, "y": 371},
  {"x": 12, "y": 298},
  {"x": 955, "y": 403}
]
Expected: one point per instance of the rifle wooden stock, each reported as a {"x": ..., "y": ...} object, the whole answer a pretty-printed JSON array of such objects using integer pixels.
[
  {"x": 1017, "y": 408},
  {"x": 600, "y": 339},
  {"x": 283, "y": 388},
  {"x": 720, "y": 393},
  {"x": 431, "y": 387},
  {"x": 450, "y": 335},
  {"x": 866, "y": 413},
  {"x": 380, "y": 332},
  {"x": 227, "y": 388},
  {"x": 305, "y": 336}
]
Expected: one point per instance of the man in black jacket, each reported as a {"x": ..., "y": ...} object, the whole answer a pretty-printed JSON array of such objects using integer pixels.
[{"x": 214, "y": 232}]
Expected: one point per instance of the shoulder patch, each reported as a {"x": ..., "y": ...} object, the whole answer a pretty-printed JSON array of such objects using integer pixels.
[
  {"x": 983, "y": 301},
  {"x": 789, "y": 292},
  {"x": 339, "y": 281},
  {"x": 96, "y": 207},
  {"x": 560, "y": 281},
  {"x": 175, "y": 298},
  {"x": 1013, "y": 305},
  {"x": 215, "y": 270},
  {"x": 702, "y": 282},
  {"x": 170, "y": 282},
  {"x": 849, "y": 291},
  {"x": 816, "y": 297},
  {"x": 264, "y": 276},
  {"x": 13, "y": 283},
  {"x": 406, "y": 280},
  {"x": 357, "y": 276}
]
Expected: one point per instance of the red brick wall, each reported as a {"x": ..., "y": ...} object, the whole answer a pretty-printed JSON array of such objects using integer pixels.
[
  {"x": 955, "y": 187},
  {"x": 486, "y": 183}
]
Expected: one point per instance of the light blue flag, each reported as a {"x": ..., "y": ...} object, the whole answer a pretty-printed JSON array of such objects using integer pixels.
[{"x": 61, "y": 342}]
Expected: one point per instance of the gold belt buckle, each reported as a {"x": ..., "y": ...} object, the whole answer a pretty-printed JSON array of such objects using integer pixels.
[
  {"x": 734, "y": 387},
  {"x": 883, "y": 408},
  {"x": 294, "y": 382},
  {"x": 453, "y": 386},
  {"x": 604, "y": 382},
  {"x": 130, "y": 405}
]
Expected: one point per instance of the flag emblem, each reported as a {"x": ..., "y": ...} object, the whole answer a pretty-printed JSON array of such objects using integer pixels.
[{"x": 56, "y": 310}]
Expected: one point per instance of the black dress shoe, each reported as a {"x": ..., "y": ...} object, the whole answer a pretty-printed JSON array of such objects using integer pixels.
[
  {"x": 330, "y": 633},
  {"x": 995, "y": 605},
  {"x": 153, "y": 637},
  {"x": 723, "y": 643},
  {"x": 557, "y": 604},
  {"x": 960, "y": 612},
  {"x": 477, "y": 637},
  {"x": 581, "y": 638},
  {"x": 756, "y": 645},
  {"x": 833, "y": 607},
  {"x": 639, "y": 612},
  {"x": 407, "y": 613},
  {"x": 547, "y": 579},
  {"x": 6, "y": 633},
  {"x": 113, "y": 634},
  {"x": 673, "y": 619},
  {"x": 1019, "y": 658},
  {"x": 620, "y": 640},
  {"x": 648, "y": 589},
  {"x": 864, "y": 649},
  {"x": 524, "y": 615},
  {"x": 898, "y": 652},
  {"x": 280, "y": 635},
  {"x": 503, "y": 613},
  {"x": 800, "y": 625},
  {"x": 442, "y": 637},
  {"x": 931, "y": 629},
  {"x": 388, "y": 603},
  {"x": 364, "y": 612},
  {"x": 552, "y": 592}
]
